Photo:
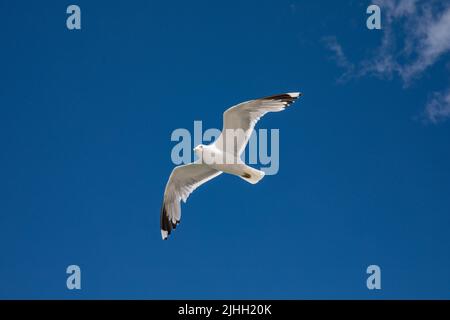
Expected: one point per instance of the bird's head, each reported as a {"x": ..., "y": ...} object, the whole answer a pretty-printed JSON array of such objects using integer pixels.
[{"x": 199, "y": 150}]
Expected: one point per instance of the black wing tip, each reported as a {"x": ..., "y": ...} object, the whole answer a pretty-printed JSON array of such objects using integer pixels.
[
  {"x": 166, "y": 224},
  {"x": 175, "y": 224},
  {"x": 286, "y": 98}
]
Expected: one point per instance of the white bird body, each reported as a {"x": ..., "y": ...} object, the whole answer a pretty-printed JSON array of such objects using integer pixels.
[
  {"x": 227, "y": 162},
  {"x": 222, "y": 156}
]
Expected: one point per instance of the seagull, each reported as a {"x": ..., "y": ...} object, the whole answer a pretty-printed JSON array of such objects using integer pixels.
[{"x": 223, "y": 155}]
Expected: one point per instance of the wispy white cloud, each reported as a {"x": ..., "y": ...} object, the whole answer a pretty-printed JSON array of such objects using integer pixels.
[
  {"x": 424, "y": 37},
  {"x": 339, "y": 57},
  {"x": 421, "y": 39},
  {"x": 438, "y": 108}
]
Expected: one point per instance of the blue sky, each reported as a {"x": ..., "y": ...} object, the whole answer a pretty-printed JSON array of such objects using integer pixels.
[{"x": 85, "y": 124}]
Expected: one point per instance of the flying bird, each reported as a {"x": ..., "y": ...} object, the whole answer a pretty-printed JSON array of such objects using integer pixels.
[{"x": 223, "y": 155}]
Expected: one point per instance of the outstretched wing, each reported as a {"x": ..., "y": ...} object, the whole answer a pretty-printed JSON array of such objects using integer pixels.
[
  {"x": 239, "y": 120},
  {"x": 182, "y": 182}
]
